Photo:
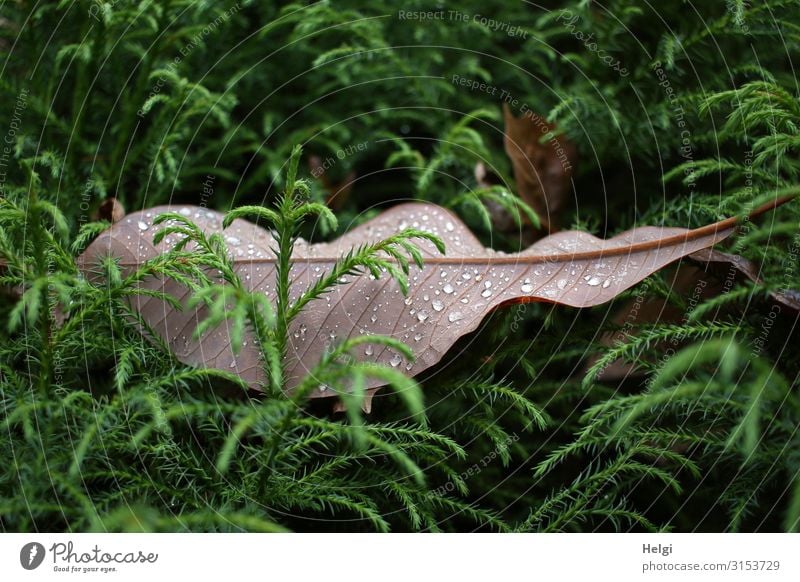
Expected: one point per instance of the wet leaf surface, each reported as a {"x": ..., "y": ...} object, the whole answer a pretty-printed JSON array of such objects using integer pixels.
[{"x": 448, "y": 297}]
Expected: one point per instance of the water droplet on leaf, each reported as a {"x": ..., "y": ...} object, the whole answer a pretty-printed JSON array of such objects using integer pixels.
[{"x": 455, "y": 316}]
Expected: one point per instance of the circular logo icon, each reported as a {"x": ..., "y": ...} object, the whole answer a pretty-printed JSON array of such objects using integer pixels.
[{"x": 31, "y": 555}]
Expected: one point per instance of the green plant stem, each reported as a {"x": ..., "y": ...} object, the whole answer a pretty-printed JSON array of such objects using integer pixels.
[{"x": 283, "y": 267}]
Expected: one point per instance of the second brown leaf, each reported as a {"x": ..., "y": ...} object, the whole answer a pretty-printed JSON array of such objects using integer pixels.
[{"x": 543, "y": 163}]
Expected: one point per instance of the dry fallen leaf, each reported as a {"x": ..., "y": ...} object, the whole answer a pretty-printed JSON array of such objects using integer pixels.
[
  {"x": 542, "y": 170},
  {"x": 687, "y": 280},
  {"x": 337, "y": 194},
  {"x": 111, "y": 210},
  {"x": 447, "y": 299},
  {"x": 710, "y": 273},
  {"x": 736, "y": 266}
]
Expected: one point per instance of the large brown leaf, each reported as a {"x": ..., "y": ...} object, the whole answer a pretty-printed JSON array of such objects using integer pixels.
[{"x": 447, "y": 299}]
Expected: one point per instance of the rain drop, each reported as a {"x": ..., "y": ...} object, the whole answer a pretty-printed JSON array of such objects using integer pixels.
[
  {"x": 395, "y": 361},
  {"x": 593, "y": 281},
  {"x": 422, "y": 315},
  {"x": 437, "y": 305},
  {"x": 448, "y": 288},
  {"x": 455, "y": 316},
  {"x": 143, "y": 226}
]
